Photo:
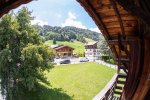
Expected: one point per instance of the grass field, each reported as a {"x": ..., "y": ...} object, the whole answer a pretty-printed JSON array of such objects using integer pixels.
[
  {"x": 89, "y": 40},
  {"x": 82, "y": 81},
  {"x": 73, "y": 82},
  {"x": 78, "y": 46}
]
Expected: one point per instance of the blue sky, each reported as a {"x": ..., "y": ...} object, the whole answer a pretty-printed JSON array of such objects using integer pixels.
[{"x": 60, "y": 13}]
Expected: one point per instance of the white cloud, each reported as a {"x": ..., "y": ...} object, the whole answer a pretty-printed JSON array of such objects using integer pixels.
[
  {"x": 39, "y": 22},
  {"x": 71, "y": 21},
  {"x": 95, "y": 30},
  {"x": 71, "y": 15},
  {"x": 58, "y": 15}
]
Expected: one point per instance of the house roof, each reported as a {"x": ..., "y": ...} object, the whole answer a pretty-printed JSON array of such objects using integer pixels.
[
  {"x": 53, "y": 46},
  {"x": 90, "y": 43},
  {"x": 62, "y": 46}
]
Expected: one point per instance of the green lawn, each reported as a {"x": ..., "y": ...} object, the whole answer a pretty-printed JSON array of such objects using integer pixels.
[
  {"x": 82, "y": 81},
  {"x": 73, "y": 82},
  {"x": 78, "y": 46},
  {"x": 89, "y": 40}
]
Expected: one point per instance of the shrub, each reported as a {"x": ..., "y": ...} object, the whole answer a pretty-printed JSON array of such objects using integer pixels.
[
  {"x": 111, "y": 61},
  {"x": 104, "y": 57}
]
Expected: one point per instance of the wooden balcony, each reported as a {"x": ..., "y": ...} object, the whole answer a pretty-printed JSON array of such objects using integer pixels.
[
  {"x": 107, "y": 92},
  {"x": 113, "y": 90}
]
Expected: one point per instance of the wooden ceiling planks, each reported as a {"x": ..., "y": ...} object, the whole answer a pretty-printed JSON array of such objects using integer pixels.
[
  {"x": 99, "y": 2},
  {"x": 98, "y": 19},
  {"x": 115, "y": 20},
  {"x": 119, "y": 17},
  {"x": 110, "y": 11},
  {"x": 7, "y": 5},
  {"x": 139, "y": 8}
]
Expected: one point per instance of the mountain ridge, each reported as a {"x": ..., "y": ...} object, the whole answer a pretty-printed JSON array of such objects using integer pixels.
[{"x": 67, "y": 33}]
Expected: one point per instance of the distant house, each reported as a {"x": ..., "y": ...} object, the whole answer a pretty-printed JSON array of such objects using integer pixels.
[
  {"x": 91, "y": 51},
  {"x": 63, "y": 51}
]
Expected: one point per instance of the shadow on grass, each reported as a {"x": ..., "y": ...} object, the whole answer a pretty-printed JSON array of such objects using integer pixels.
[{"x": 45, "y": 93}]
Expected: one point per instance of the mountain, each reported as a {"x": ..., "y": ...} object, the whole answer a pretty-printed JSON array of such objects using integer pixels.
[
  {"x": 67, "y": 33},
  {"x": 72, "y": 36}
]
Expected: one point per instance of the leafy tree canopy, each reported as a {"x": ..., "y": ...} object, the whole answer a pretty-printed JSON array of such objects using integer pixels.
[
  {"x": 67, "y": 33},
  {"x": 23, "y": 57}
]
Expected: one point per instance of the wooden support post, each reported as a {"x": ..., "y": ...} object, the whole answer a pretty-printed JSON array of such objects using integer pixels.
[
  {"x": 144, "y": 84},
  {"x": 133, "y": 70}
]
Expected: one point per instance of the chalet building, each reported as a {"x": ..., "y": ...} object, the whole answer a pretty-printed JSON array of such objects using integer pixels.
[
  {"x": 91, "y": 51},
  {"x": 63, "y": 51}
]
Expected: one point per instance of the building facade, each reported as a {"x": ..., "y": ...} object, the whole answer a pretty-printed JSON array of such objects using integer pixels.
[
  {"x": 91, "y": 51},
  {"x": 63, "y": 51}
]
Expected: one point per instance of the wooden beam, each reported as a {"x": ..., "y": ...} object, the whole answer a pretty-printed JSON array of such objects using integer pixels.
[
  {"x": 6, "y": 4},
  {"x": 133, "y": 75},
  {"x": 144, "y": 84},
  {"x": 116, "y": 42},
  {"x": 11, "y": 4},
  {"x": 98, "y": 20},
  {"x": 131, "y": 7},
  {"x": 122, "y": 60},
  {"x": 119, "y": 18}
]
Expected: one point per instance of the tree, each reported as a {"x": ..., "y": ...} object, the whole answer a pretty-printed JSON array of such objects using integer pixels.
[
  {"x": 66, "y": 33},
  {"x": 103, "y": 46},
  {"x": 23, "y": 57},
  {"x": 54, "y": 41},
  {"x": 81, "y": 38},
  {"x": 105, "y": 50}
]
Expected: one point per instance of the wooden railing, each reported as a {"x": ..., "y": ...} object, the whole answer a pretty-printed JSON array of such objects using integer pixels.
[
  {"x": 123, "y": 85},
  {"x": 108, "y": 90}
]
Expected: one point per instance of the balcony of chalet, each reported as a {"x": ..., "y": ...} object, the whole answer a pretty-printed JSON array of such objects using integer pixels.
[{"x": 125, "y": 25}]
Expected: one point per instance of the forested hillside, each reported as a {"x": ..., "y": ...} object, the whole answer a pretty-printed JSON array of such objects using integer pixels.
[
  {"x": 66, "y": 33},
  {"x": 72, "y": 36}
]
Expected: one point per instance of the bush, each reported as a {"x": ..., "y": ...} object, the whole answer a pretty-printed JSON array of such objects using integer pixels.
[
  {"x": 104, "y": 57},
  {"x": 111, "y": 61},
  {"x": 81, "y": 55}
]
